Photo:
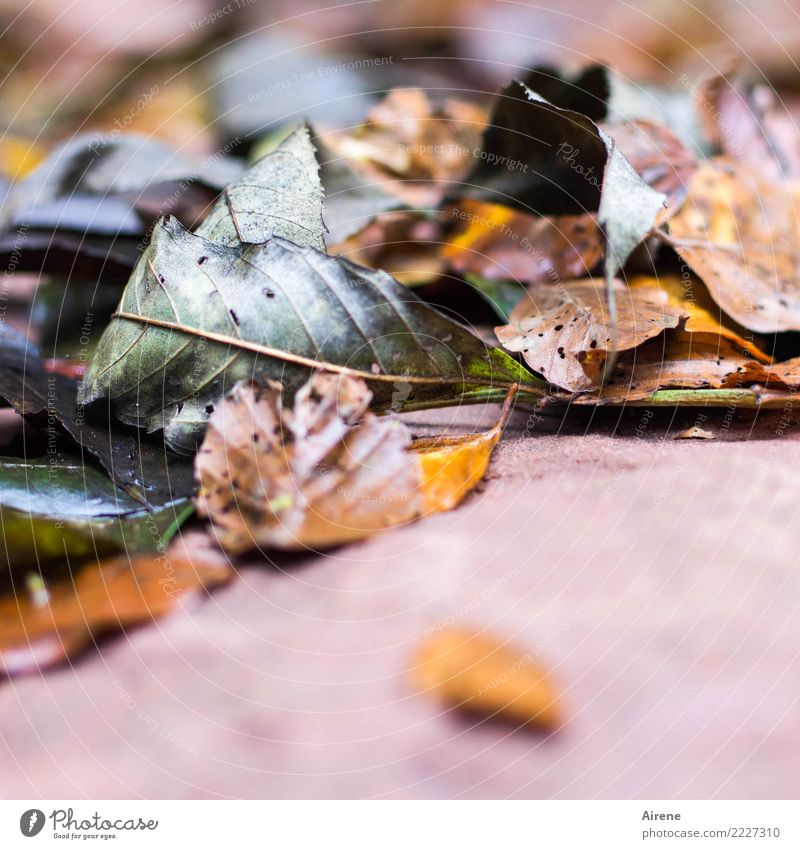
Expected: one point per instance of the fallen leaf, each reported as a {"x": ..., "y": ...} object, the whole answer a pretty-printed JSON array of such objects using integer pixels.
[
  {"x": 497, "y": 242},
  {"x": 327, "y": 471},
  {"x": 411, "y": 149},
  {"x": 281, "y": 195},
  {"x": 97, "y": 196},
  {"x": 739, "y": 233},
  {"x": 48, "y": 400},
  {"x": 58, "y": 506},
  {"x": 688, "y": 293},
  {"x": 695, "y": 432},
  {"x": 564, "y": 332},
  {"x": 501, "y": 295},
  {"x": 452, "y": 466},
  {"x": 751, "y": 125},
  {"x": 403, "y": 244},
  {"x": 43, "y": 622},
  {"x": 659, "y": 157},
  {"x": 352, "y": 200},
  {"x": 197, "y": 317},
  {"x": 539, "y": 158},
  {"x": 484, "y": 676},
  {"x": 677, "y": 360}
]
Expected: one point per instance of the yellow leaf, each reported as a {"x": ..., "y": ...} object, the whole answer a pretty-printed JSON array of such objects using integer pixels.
[{"x": 452, "y": 466}]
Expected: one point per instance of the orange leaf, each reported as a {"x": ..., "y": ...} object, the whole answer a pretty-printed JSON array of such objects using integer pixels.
[{"x": 476, "y": 673}]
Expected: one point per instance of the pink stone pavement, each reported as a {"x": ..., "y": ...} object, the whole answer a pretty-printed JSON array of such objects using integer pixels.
[{"x": 657, "y": 579}]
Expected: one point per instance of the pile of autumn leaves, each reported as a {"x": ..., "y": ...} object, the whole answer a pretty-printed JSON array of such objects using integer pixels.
[
  {"x": 693, "y": 319},
  {"x": 624, "y": 263}
]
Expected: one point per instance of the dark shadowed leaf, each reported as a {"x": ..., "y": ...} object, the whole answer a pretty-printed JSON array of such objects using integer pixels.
[
  {"x": 542, "y": 159},
  {"x": 59, "y": 507},
  {"x": 144, "y": 469}
]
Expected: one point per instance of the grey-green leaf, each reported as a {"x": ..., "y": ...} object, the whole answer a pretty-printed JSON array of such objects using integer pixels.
[
  {"x": 281, "y": 195},
  {"x": 196, "y": 317}
]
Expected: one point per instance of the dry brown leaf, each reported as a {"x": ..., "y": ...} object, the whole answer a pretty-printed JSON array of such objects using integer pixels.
[
  {"x": 740, "y": 232},
  {"x": 412, "y": 149},
  {"x": 695, "y": 432},
  {"x": 479, "y": 674},
  {"x": 658, "y": 156},
  {"x": 677, "y": 360},
  {"x": 327, "y": 471},
  {"x": 45, "y": 622},
  {"x": 564, "y": 331},
  {"x": 499, "y": 243},
  {"x": 403, "y": 244},
  {"x": 750, "y": 125},
  {"x": 690, "y": 294}
]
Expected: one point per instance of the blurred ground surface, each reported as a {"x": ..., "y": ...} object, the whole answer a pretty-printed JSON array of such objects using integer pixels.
[{"x": 657, "y": 579}]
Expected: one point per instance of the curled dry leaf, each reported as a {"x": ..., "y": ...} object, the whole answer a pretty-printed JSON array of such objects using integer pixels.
[
  {"x": 481, "y": 675},
  {"x": 564, "y": 332},
  {"x": 43, "y": 622},
  {"x": 740, "y": 233},
  {"x": 497, "y": 242},
  {"x": 412, "y": 149},
  {"x": 688, "y": 293},
  {"x": 326, "y": 471}
]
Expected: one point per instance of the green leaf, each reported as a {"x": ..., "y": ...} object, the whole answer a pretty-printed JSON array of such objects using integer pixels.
[
  {"x": 196, "y": 317},
  {"x": 281, "y": 195},
  {"x": 57, "y": 506}
]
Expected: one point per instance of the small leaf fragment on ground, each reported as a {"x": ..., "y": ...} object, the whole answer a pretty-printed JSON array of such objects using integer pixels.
[
  {"x": 483, "y": 676},
  {"x": 694, "y": 432}
]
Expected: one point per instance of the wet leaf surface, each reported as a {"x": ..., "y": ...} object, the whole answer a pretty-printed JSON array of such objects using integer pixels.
[
  {"x": 48, "y": 399},
  {"x": 57, "y": 507}
]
